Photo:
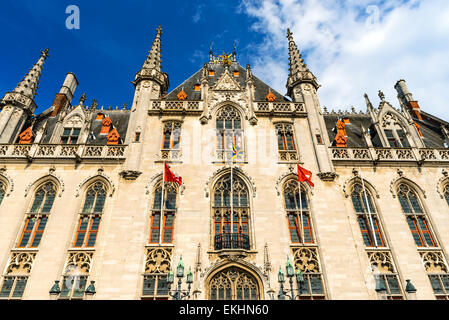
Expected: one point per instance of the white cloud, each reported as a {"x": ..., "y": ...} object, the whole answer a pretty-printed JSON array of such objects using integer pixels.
[
  {"x": 358, "y": 46},
  {"x": 197, "y": 16}
]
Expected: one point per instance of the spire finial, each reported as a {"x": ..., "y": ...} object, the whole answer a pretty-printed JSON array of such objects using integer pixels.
[
  {"x": 153, "y": 60},
  {"x": 381, "y": 95},
  {"x": 28, "y": 86},
  {"x": 82, "y": 99},
  {"x": 368, "y": 102},
  {"x": 299, "y": 72}
]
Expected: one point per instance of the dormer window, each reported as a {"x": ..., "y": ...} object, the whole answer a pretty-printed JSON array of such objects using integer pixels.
[
  {"x": 397, "y": 138},
  {"x": 70, "y": 135}
]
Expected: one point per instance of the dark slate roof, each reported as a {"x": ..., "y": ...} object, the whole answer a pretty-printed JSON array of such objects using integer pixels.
[
  {"x": 119, "y": 118},
  {"x": 430, "y": 127},
  {"x": 353, "y": 129},
  {"x": 261, "y": 88}
]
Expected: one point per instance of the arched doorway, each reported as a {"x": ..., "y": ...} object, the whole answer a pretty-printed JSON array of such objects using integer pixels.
[{"x": 234, "y": 283}]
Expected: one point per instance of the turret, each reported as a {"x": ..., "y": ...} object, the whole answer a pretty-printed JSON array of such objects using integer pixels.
[
  {"x": 302, "y": 87},
  {"x": 299, "y": 72},
  {"x": 18, "y": 105},
  {"x": 150, "y": 83},
  {"x": 406, "y": 99}
]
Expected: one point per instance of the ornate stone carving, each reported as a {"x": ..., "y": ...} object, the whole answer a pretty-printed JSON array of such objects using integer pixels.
[
  {"x": 227, "y": 169},
  {"x": 306, "y": 260},
  {"x": 381, "y": 261},
  {"x": 101, "y": 174},
  {"x": 356, "y": 179},
  {"x": 434, "y": 262},
  {"x": 9, "y": 183},
  {"x": 327, "y": 176},
  {"x": 130, "y": 174},
  {"x": 79, "y": 262},
  {"x": 20, "y": 263},
  {"x": 401, "y": 176},
  {"x": 50, "y": 174},
  {"x": 158, "y": 260},
  {"x": 443, "y": 184},
  {"x": 226, "y": 83}
]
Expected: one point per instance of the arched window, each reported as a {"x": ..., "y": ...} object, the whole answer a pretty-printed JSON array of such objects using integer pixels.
[
  {"x": 446, "y": 193},
  {"x": 172, "y": 136},
  {"x": 2, "y": 191},
  {"x": 233, "y": 284},
  {"x": 167, "y": 223},
  {"x": 37, "y": 218},
  {"x": 394, "y": 132},
  {"x": 286, "y": 140},
  {"x": 298, "y": 214},
  {"x": 367, "y": 217},
  {"x": 231, "y": 230},
  {"x": 229, "y": 130},
  {"x": 416, "y": 218},
  {"x": 90, "y": 216}
]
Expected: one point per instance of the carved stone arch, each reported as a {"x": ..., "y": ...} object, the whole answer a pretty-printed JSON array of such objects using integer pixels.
[
  {"x": 388, "y": 109},
  {"x": 91, "y": 179},
  {"x": 217, "y": 107},
  {"x": 349, "y": 183},
  {"x": 239, "y": 263},
  {"x": 285, "y": 177},
  {"x": 401, "y": 179},
  {"x": 33, "y": 186},
  {"x": 155, "y": 180},
  {"x": 8, "y": 181},
  {"x": 75, "y": 118},
  {"x": 218, "y": 174},
  {"x": 442, "y": 183}
]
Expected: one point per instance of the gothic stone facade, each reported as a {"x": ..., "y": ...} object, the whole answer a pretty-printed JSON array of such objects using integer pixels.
[{"x": 80, "y": 191}]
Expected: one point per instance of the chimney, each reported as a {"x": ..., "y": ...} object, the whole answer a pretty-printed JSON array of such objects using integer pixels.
[
  {"x": 65, "y": 95},
  {"x": 406, "y": 98}
]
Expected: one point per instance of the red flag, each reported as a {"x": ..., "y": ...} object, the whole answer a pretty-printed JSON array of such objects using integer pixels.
[
  {"x": 170, "y": 176},
  {"x": 305, "y": 175}
]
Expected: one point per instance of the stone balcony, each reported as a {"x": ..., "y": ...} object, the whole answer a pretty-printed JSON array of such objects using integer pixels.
[
  {"x": 260, "y": 108},
  {"x": 377, "y": 155},
  {"x": 77, "y": 152},
  {"x": 279, "y": 107}
]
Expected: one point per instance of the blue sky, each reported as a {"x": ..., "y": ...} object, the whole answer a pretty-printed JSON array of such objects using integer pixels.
[
  {"x": 352, "y": 46},
  {"x": 112, "y": 43}
]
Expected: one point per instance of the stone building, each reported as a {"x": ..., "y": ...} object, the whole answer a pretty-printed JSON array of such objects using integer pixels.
[{"x": 84, "y": 211}]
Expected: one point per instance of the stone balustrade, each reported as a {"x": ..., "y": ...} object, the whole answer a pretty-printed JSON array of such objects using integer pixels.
[
  {"x": 61, "y": 151},
  {"x": 390, "y": 154}
]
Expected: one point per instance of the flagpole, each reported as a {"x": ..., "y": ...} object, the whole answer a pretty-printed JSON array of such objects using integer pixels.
[
  {"x": 162, "y": 206},
  {"x": 369, "y": 210},
  {"x": 300, "y": 210}
]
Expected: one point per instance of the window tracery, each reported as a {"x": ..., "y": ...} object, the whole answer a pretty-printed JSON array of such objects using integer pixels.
[
  {"x": 36, "y": 218},
  {"x": 307, "y": 261},
  {"x": 90, "y": 216},
  {"x": 298, "y": 214},
  {"x": 229, "y": 130},
  {"x": 416, "y": 217},
  {"x": 231, "y": 229},
  {"x": 157, "y": 266},
  {"x": 162, "y": 229},
  {"x": 233, "y": 284}
]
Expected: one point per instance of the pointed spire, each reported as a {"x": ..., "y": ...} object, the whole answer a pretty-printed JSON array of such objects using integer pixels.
[
  {"x": 28, "y": 86},
  {"x": 299, "y": 72},
  {"x": 154, "y": 56},
  {"x": 296, "y": 62}
]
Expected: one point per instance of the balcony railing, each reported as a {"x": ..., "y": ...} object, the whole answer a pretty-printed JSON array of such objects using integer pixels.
[
  {"x": 62, "y": 151},
  {"x": 390, "y": 154},
  {"x": 225, "y": 241}
]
